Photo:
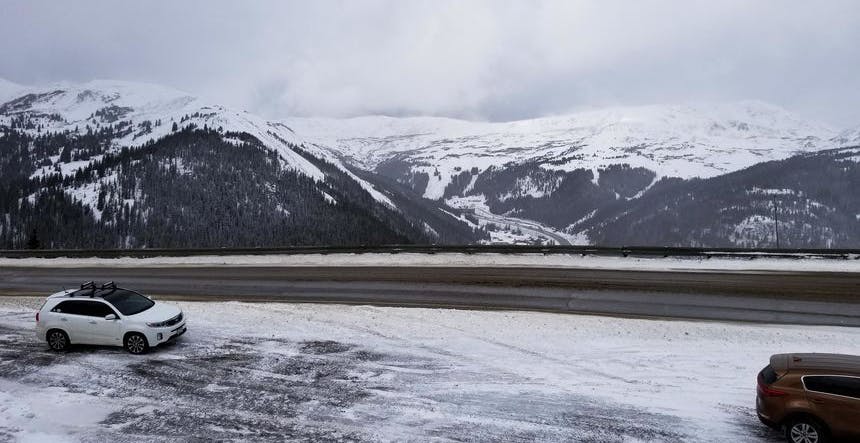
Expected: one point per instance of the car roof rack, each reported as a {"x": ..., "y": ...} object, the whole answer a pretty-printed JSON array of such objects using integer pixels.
[
  {"x": 86, "y": 286},
  {"x": 90, "y": 289}
]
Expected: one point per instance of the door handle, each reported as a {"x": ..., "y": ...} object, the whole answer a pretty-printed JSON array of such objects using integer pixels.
[
  {"x": 817, "y": 401},
  {"x": 92, "y": 322}
]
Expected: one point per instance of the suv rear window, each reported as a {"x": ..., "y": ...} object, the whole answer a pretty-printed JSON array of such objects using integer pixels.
[
  {"x": 768, "y": 375},
  {"x": 833, "y": 384}
]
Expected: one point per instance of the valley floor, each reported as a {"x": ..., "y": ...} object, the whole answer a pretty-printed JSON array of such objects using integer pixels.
[{"x": 357, "y": 373}]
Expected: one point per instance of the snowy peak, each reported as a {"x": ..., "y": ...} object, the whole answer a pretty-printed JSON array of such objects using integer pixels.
[
  {"x": 671, "y": 140},
  {"x": 149, "y": 111},
  {"x": 849, "y": 137}
]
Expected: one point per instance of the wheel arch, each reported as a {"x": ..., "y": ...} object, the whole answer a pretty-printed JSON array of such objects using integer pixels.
[
  {"x": 50, "y": 330},
  {"x": 131, "y": 332}
]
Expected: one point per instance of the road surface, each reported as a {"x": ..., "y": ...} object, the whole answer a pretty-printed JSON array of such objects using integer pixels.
[{"x": 800, "y": 298}]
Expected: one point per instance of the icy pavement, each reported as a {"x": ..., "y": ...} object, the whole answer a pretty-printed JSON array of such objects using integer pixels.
[{"x": 355, "y": 373}]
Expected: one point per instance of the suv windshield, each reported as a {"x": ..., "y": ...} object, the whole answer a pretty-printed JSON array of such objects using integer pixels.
[{"x": 128, "y": 302}]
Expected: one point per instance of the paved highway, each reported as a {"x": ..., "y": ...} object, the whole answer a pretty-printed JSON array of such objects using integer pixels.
[
  {"x": 800, "y": 298},
  {"x": 530, "y": 227}
]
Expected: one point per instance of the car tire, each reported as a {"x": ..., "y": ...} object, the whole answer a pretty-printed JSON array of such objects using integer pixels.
[
  {"x": 805, "y": 430},
  {"x": 58, "y": 340},
  {"x": 135, "y": 343}
]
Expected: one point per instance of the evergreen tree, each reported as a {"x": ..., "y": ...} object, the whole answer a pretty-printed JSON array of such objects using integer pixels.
[{"x": 33, "y": 240}]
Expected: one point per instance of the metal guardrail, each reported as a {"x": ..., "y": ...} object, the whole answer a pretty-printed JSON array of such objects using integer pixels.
[{"x": 623, "y": 251}]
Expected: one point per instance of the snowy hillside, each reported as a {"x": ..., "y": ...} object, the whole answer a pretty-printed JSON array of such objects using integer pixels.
[
  {"x": 75, "y": 107},
  {"x": 672, "y": 141},
  {"x": 121, "y": 165}
]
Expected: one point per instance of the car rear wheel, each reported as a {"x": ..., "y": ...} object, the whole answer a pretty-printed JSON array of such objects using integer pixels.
[
  {"x": 58, "y": 340},
  {"x": 805, "y": 430},
  {"x": 135, "y": 343}
]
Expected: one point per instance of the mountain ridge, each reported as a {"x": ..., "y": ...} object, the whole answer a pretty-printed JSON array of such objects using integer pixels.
[
  {"x": 672, "y": 140},
  {"x": 90, "y": 151},
  {"x": 99, "y": 158}
]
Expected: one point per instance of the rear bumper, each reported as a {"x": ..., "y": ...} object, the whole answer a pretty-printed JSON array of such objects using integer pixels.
[
  {"x": 768, "y": 422},
  {"x": 769, "y": 411},
  {"x": 41, "y": 331}
]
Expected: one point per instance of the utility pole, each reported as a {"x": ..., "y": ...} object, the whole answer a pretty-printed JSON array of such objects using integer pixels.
[{"x": 776, "y": 221}]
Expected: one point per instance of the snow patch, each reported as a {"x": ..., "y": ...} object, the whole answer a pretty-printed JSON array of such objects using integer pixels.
[{"x": 49, "y": 414}]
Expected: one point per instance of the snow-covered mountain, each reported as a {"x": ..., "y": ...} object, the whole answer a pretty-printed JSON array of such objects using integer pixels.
[
  {"x": 673, "y": 141},
  {"x": 122, "y": 164},
  {"x": 76, "y": 107}
]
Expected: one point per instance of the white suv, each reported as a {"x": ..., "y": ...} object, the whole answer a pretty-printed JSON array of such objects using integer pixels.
[{"x": 107, "y": 315}]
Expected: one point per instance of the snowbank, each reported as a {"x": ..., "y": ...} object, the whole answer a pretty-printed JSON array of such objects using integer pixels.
[{"x": 762, "y": 264}]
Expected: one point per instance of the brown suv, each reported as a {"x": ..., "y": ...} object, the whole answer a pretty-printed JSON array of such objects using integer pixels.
[{"x": 812, "y": 397}]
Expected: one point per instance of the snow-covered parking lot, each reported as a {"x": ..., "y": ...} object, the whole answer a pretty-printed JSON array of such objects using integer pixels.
[{"x": 356, "y": 373}]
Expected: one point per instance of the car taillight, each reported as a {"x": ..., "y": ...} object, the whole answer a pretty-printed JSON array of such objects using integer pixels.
[
  {"x": 37, "y": 317},
  {"x": 767, "y": 391}
]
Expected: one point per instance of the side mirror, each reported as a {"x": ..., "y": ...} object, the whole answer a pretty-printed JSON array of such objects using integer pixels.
[{"x": 110, "y": 317}]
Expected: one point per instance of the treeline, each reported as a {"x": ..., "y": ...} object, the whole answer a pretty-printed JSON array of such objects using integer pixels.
[{"x": 809, "y": 201}]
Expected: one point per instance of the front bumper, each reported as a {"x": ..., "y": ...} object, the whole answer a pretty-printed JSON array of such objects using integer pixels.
[
  {"x": 164, "y": 335},
  {"x": 177, "y": 332}
]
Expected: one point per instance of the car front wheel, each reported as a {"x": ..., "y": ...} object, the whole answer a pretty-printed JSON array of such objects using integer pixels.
[
  {"x": 805, "y": 430},
  {"x": 58, "y": 340},
  {"x": 135, "y": 343}
]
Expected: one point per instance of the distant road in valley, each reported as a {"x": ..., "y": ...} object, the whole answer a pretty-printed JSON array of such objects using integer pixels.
[
  {"x": 527, "y": 226},
  {"x": 821, "y": 298}
]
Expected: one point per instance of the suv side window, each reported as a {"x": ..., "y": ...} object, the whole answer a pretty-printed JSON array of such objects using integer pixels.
[
  {"x": 68, "y": 307},
  {"x": 99, "y": 309},
  {"x": 84, "y": 307},
  {"x": 833, "y": 384}
]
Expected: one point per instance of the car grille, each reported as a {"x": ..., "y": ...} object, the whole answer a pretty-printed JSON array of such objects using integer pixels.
[{"x": 174, "y": 320}]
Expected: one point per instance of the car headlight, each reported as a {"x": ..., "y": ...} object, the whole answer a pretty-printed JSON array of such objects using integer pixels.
[{"x": 160, "y": 324}]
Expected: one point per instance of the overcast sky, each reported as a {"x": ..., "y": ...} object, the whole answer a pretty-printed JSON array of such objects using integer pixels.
[{"x": 493, "y": 60}]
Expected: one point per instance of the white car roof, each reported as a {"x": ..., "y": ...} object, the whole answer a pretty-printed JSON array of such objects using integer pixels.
[{"x": 61, "y": 293}]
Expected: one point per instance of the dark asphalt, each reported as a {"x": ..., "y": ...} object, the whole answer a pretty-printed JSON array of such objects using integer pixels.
[{"x": 799, "y": 298}]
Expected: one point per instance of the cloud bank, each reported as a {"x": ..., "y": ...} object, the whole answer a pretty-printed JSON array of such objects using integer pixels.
[{"x": 478, "y": 59}]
